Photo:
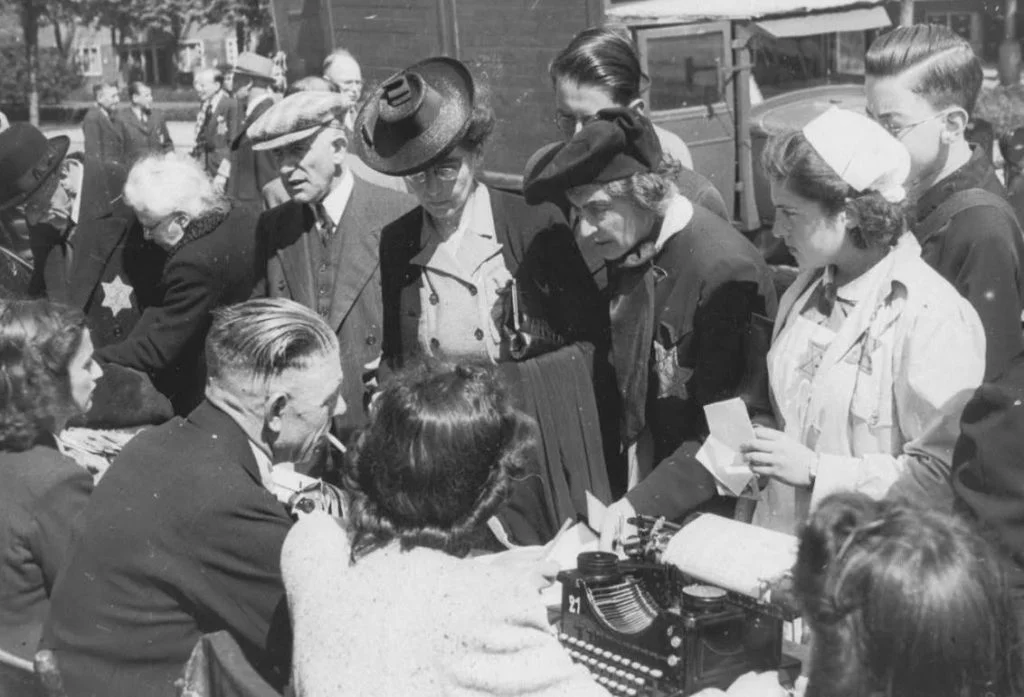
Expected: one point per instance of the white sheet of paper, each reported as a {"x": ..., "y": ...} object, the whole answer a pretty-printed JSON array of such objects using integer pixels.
[
  {"x": 725, "y": 465},
  {"x": 595, "y": 512},
  {"x": 730, "y": 423}
]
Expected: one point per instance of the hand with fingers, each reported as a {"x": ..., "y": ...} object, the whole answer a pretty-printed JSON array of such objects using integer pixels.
[{"x": 777, "y": 455}]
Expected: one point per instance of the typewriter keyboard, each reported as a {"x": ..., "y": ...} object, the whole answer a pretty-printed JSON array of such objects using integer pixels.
[{"x": 620, "y": 675}]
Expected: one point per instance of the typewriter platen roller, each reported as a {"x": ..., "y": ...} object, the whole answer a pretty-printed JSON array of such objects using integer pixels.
[{"x": 645, "y": 629}]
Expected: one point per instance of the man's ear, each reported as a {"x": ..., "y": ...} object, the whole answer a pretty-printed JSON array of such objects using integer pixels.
[
  {"x": 273, "y": 412},
  {"x": 639, "y": 106},
  {"x": 851, "y": 216},
  {"x": 340, "y": 142},
  {"x": 955, "y": 125}
]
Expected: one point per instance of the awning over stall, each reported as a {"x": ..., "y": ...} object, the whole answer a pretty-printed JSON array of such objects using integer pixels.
[
  {"x": 833, "y": 14},
  {"x": 827, "y": 22}
]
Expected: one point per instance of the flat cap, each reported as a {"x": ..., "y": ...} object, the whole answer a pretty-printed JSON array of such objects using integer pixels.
[
  {"x": 254, "y": 65},
  {"x": 616, "y": 145},
  {"x": 295, "y": 117}
]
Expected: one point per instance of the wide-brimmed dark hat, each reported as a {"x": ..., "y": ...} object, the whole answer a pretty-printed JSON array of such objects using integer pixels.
[
  {"x": 28, "y": 159},
  {"x": 416, "y": 116},
  {"x": 615, "y": 145}
]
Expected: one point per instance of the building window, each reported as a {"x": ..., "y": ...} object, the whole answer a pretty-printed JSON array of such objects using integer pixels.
[
  {"x": 230, "y": 50},
  {"x": 959, "y": 22},
  {"x": 190, "y": 56},
  {"x": 90, "y": 60}
]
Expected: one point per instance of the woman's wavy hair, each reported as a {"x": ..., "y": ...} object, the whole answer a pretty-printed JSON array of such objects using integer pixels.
[
  {"x": 437, "y": 460},
  {"x": 790, "y": 159},
  {"x": 903, "y": 602},
  {"x": 38, "y": 339}
]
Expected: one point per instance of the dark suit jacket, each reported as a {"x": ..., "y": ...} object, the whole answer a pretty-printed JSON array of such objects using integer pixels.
[
  {"x": 712, "y": 282},
  {"x": 114, "y": 271},
  {"x": 104, "y": 137},
  {"x": 282, "y": 244},
  {"x": 180, "y": 539},
  {"x": 212, "y": 266},
  {"x": 142, "y": 138},
  {"x": 251, "y": 170},
  {"x": 213, "y": 142},
  {"x": 42, "y": 496},
  {"x": 538, "y": 249}
]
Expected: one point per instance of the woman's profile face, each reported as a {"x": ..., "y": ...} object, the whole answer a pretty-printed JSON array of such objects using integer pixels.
[
  {"x": 83, "y": 372},
  {"x": 577, "y": 104},
  {"x": 813, "y": 236}
]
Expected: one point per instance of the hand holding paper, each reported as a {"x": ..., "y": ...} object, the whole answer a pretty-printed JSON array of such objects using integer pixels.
[
  {"x": 775, "y": 454},
  {"x": 730, "y": 428}
]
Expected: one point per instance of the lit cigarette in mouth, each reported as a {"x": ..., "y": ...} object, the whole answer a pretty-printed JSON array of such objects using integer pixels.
[{"x": 338, "y": 445}]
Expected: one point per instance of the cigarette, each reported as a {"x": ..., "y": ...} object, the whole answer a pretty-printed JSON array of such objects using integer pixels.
[{"x": 338, "y": 445}]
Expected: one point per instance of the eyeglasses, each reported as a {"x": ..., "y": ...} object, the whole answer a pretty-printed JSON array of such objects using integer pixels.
[
  {"x": 445, "y": 173},
  {"x": 567, "y": 124},
  {"x": 898, "y": 132}
]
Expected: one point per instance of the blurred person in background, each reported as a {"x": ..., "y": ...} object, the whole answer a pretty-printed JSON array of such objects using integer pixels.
[
  {"x": 145, "y": 131},
  {"x": 245, "y": 170},
  {"x": 104, "y": 136},
  {"x": 215, "y": 122}
]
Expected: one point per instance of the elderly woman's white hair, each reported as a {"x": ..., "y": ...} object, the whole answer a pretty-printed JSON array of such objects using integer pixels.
[{"x": 166, "y": 183}]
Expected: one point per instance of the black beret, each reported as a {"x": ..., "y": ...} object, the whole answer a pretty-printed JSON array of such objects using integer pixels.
[{"x": 617, "y": 144}]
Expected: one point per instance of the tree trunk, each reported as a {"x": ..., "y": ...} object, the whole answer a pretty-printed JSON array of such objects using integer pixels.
[
  {"x": 906, "y": 13},
  {"x": 30, "y": 25},
  {"x": 1009, "y": 49}
]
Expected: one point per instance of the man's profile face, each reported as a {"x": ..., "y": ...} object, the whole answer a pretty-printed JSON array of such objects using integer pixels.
[
  {"x": 204, "y": 85},
  {"x": 108, "y": 98},
  {"x": 344, "y": 72},
  {"x": 313, "y": 399},
  {"x": 143, "y": 98},
  {"x": 911, "y": 119},
  {"x": 308, "y": 167}
]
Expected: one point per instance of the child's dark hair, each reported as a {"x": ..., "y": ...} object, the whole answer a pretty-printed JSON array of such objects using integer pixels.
[
  {"x": 903, "y": 601},
  {"x": 604, "y": 57},
  {"x": 949, "y": 72},
  {"x": 789, "y": 158},
  {"x": 437, "y": 459}
]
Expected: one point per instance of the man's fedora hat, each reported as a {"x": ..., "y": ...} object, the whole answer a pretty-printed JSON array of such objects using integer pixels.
[
  {"x": 254, "y": 65},
  {"x": 27, "y": 160},
  {"x": 416, "y": 116}
]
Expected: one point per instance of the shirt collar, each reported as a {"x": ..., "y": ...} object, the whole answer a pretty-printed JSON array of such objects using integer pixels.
[
  {"x": 677, "y": 216},
  {"x": 336, "y": 200},
  {"x": 76, "y": 175},
  {"x": 264, "y": 465}
]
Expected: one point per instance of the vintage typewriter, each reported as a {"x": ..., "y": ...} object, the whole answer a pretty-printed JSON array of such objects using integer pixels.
[{"x": 643, "y": 626}]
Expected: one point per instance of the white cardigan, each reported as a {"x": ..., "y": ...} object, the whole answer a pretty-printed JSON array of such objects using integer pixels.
[{"x": 418, "y": 623}]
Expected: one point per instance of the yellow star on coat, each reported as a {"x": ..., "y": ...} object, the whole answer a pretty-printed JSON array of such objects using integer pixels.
[{"x": 117, "y": 296}]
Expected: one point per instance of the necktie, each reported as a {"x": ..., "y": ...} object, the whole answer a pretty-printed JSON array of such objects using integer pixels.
[{"x": 323, "y": 223}]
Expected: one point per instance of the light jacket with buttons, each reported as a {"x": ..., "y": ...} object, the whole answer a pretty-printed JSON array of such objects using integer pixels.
[{"x": 898, "y": 424}]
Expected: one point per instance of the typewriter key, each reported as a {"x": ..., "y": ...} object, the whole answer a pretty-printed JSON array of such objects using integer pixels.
[{"x": 698, "y": 596}]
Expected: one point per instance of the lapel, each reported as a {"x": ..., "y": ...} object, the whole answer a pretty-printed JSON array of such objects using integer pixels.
[
  {"x": 132, "y": 120},
  {"x": 260, "y": 109},
  {"x": 97, "y": 236},
  {"x": 511, "y": 245},
  {"x": 361, "y": 251},
  {"x": 295, "y": 257}
]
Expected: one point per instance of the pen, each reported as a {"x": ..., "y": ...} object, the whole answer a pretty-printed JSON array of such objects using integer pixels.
[{"x": 338, "y": 445}]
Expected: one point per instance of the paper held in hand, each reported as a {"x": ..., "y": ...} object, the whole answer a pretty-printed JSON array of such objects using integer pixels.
[{"x": 730, "y": 426}]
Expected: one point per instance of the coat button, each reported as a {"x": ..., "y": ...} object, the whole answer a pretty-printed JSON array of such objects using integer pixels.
[
  {"x": 434, "y": 299},
  {"x": 371, "y": 340},
  {"x": 434, "y": 343},
  {"x": 479, "y": 334},
  {"x": 117, "y": 332},
  {"x": 472, "y": 290}
]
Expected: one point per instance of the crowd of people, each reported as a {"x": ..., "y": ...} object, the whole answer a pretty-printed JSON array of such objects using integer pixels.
[{"x": 329, "y": 284}]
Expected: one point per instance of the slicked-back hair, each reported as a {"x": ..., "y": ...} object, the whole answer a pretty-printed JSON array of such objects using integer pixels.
[
  {"x": 38, "y": 340},
  {"x": 948, "y": 71},
  {"x": 135, "y": 88},
  {"x": 437, "y": 460},
  {"x": 260, "y": 339},
  {"x": 603, "y": 57}
]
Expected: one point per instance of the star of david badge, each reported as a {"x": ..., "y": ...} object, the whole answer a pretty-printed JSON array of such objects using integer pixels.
[
  {"x": 812, "y": 360},
  {"x": 117, "y": 296}
]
